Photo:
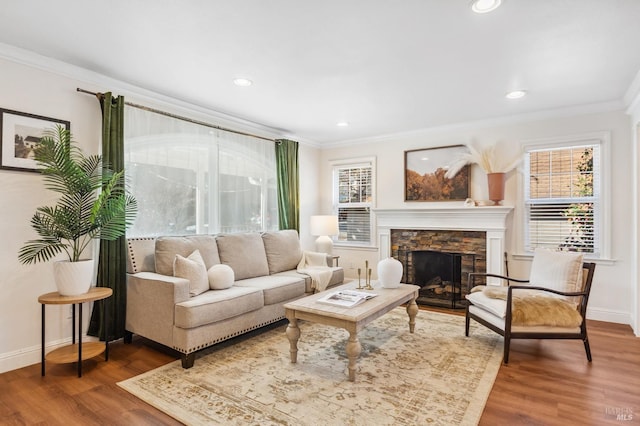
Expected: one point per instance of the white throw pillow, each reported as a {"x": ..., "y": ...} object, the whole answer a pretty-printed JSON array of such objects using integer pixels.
[
  {"x": 193, "y": 269},
  {"x": 220, "y": 277},
  {"x": 557, "y": 270}
]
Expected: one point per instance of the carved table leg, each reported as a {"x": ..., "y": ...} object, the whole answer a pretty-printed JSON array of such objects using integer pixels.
[
  {"x": 293, "y": 334},
  {"x": 353, "y": 351},
  {"x": 412, "y": 310}
]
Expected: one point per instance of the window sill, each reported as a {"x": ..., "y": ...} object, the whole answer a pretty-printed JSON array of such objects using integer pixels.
[{"x": 343, "y": 246}]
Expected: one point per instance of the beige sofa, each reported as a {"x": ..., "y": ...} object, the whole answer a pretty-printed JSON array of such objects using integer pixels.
[{"x": 160, "y": 307}]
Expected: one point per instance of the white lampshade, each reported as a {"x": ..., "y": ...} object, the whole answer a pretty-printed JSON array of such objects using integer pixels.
[{"x": 323, "y": 226}]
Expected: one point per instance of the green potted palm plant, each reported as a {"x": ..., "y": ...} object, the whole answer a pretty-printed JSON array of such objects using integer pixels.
[{"x": 93, "y": 204}]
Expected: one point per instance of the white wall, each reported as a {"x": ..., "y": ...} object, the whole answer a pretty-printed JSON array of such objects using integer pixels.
[
  {"x": 613, "y": 289},
  {"x": 309, "y": 194},
  {"x": 29, "y": 90},
  {"x": 633, "y": 99}
]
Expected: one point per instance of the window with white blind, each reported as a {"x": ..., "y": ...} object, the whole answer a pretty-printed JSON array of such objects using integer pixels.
[
  {"x": 353, "y": 196},
  {"x": 563, "y": 197}
]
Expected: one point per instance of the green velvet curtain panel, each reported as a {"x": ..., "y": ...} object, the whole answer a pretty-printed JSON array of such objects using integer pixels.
[
  {"x": 112, "y": 259},
  {"x": 288, "y": 184}
]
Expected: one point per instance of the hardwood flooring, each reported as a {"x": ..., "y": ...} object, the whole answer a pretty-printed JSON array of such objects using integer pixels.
[{"x": 545, "y": 383}]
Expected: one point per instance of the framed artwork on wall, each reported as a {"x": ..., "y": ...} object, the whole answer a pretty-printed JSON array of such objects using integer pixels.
[
  {"x": 20, "y": 135},
  {"x": 424, "y": 171}
]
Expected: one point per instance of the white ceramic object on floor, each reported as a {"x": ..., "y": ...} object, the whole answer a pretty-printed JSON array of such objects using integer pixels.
[
  {"x": 389, "y": 272},
  {"x": 73, "y": 278}
]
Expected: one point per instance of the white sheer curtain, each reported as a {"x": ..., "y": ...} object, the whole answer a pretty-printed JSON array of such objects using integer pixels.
[{"x": 190, "y": 178}]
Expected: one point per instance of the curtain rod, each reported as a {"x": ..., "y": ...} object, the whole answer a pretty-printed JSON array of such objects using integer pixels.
[{"x": 179, "y": 117}]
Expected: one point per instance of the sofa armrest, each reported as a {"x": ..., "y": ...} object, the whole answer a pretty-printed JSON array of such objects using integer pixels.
[{"x": 151, "y": 300}]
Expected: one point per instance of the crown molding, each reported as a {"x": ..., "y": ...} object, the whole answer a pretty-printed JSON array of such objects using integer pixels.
[
  {"x": 578, "y": 110},
  {"x": 135, "y": 93}
]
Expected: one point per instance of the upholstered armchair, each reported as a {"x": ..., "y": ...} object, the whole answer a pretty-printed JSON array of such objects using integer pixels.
[{"x": 551, "y": 304}]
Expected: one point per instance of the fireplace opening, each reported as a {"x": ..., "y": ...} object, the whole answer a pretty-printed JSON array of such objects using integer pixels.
[{"x": 439, "y": 275}]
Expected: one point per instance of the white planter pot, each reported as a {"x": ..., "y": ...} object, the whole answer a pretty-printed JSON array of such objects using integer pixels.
[
  {"x": 389, "y": 272},
  {"x": 73, "y": 278}
]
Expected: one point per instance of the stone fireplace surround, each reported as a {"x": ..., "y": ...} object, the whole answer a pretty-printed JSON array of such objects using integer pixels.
[{"x": 490, "y": 219}]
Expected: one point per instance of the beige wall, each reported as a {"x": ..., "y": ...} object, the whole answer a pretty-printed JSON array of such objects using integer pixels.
[{"x": 613, "y": 289}]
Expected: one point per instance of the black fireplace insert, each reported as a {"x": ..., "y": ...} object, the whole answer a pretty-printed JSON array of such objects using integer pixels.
[{"x": 439, "y": 275}]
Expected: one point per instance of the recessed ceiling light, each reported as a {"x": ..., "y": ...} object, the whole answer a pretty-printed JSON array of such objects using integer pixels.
[
  {"x": 243, "y": 82},
  {"x": 484, "y": 6},
  {"x": 342, "y": 124},
  {"x": 516, "y": 94}
]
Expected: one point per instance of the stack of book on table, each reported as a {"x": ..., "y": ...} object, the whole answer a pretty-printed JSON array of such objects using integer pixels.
[{"x": 346, "y": 298}]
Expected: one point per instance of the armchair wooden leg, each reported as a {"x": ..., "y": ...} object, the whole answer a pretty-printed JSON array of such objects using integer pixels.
[
  {"x": 507, "y": 342},
  {"x": 587, "y": 349},
  {"x": 128, "y": 336},
  {"x": 467, "y": 320}
]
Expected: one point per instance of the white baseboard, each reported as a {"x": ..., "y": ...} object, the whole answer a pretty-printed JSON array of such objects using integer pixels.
[
  {"x": 608, "y": 315},
  {"x": 32, "y": 355}
]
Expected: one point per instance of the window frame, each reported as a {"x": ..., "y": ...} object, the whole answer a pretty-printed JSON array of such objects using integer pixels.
[
  {"x": 354, "y": 163},
  {"x": 603, "y": 226}
]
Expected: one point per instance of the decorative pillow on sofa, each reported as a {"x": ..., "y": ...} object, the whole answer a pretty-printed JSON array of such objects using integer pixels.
[
  {"x": 557, "y": 270},
  {"x": 192, "y": 268},
  {"x": 220, "y": 277},
  {"x": 283, "y": 250}
]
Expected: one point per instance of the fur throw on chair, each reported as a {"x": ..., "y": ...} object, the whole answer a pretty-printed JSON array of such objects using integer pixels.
[{"x": 537, "y": 308}]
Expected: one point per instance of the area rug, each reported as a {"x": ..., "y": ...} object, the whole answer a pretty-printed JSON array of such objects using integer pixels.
[{"x": 433, "y": 376}]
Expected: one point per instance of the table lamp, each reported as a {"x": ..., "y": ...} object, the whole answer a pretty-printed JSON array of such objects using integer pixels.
[{"x": 323, "y": 226}]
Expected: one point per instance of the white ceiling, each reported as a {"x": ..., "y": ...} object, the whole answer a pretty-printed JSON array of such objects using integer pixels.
[{"x": 384, "y": 66}]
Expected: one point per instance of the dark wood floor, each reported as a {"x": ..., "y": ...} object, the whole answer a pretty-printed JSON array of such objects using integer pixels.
[{"x": 545, "y": 383}]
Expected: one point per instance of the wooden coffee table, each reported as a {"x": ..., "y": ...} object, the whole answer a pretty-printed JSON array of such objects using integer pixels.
[{"x": 351, "y": 319}]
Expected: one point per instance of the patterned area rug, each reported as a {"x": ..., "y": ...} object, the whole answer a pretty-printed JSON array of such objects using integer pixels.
[{"x": 434, "y": 376}]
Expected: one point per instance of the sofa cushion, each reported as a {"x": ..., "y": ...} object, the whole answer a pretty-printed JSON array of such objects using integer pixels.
[
  {"x": 244, "y": 253},
  {"x": 220, "y": 277},
  {"x": 276, "y": 288},
  {"x": 168, "y": 247},
  {"x": 214, "y": 306},
  {"x": 192, "y": 268},
  {"x": 283, "y": 250}
]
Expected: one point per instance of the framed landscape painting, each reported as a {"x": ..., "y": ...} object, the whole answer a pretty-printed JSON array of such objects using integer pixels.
[
  {"x": 20, "y": 135},
  {"x": 424, "y": 171}
]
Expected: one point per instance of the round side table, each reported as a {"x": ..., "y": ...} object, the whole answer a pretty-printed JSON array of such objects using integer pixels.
[{"x": 67, "y": 354}]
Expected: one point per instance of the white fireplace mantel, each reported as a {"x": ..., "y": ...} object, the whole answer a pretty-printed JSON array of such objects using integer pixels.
[{"x": 491, "y": 219}]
